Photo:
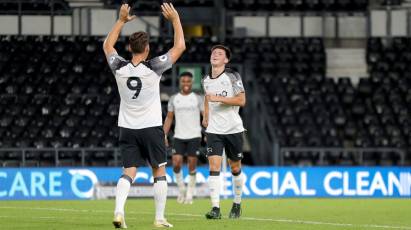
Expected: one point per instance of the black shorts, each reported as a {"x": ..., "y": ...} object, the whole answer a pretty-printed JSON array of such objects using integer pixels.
[
  {"x": 139, "y": 146},
  {"x": 232, "y": 143},
  {"x": 188, "y": 147}
]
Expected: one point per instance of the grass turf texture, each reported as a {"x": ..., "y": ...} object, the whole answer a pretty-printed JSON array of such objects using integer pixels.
[{"x": 258, "y": 214}]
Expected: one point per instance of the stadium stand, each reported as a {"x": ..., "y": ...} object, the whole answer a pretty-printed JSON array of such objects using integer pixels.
[
  {"x": 59, "y": 92},
  {"x": 311, "y": 110}
]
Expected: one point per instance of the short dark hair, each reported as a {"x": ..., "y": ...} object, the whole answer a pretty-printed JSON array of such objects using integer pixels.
[
  {"x": 186, "y": 74},
  {"x": 138, "y": 42},
  {"x": 223, "y": 47}
]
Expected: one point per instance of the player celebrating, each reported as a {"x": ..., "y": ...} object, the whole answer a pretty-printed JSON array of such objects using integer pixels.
[
  {"x": 224, "y": 96},
  {"x": 140, "y": 119},
  {"x": 186, "y": 106}
]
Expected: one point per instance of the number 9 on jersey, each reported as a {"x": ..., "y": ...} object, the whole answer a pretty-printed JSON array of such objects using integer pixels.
[{"x": 134, "y": 84}]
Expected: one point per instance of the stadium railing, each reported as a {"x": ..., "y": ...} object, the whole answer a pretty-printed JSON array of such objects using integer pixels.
[
  {"x": 83, "y": 153},
  {"x": 359, "y": 152}
]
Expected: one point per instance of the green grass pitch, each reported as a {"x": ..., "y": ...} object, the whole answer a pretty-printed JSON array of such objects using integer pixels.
[{"x": 258, "y": 214}]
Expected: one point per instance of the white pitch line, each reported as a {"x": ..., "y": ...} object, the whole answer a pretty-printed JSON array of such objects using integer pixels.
[
  {"x": 38, "y": 217},
  {"x": 307, "y": 222}
]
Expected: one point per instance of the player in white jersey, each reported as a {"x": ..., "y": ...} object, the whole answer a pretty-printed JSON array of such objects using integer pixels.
[
  {"x": 186, "y": 106},
  {"x": 140, "y": 118},
  {"x": 224, "y": 95}
]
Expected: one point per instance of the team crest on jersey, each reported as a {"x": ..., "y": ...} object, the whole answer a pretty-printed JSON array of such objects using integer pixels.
[{"x": 163, "y": 58}]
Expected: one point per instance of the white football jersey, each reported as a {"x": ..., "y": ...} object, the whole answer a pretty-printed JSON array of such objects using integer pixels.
[
  {"x": 187, "y": 109},
  {"x": 139, "y": 89},
  {"x": 224, "y": 119}
]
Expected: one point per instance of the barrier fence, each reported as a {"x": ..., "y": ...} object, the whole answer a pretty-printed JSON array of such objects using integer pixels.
[{"x": 260, "y": 182}]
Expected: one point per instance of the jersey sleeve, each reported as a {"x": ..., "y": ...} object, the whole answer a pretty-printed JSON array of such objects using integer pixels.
[
  {"x": 203, "y": 86},
  {"x": 115, "y": 62},
  {"x": 161, "y": 64},
  {"x": 236, "y": 82},
  {"x": 200, "y": 102},
  {"x": 170, "y": 106}
]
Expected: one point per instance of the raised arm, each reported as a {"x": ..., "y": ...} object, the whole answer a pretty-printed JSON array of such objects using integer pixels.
[
  {"x": 112, "y": 37},
  {"x": 179, "y": 46}
]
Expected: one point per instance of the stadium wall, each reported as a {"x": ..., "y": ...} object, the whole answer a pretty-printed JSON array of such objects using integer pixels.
[
  {"x": 96, "y": 21},
  {"x": 261, "y": 182},
  {"x": 378, "y": 23}
]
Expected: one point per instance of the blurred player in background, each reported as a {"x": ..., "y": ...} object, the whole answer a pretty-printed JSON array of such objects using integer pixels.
[
  {"x": 186, "y": 106},
  {"x": 140, "y": 118},
  {"x": 224, "y": 95}
]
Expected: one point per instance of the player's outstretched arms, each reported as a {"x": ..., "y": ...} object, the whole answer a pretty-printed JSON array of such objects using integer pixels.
[
  {"x": 111, "y": 39},
  {"x": 171, "y": 14}
]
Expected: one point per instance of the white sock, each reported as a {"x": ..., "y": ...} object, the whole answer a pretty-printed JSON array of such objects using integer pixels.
[
  {"x": 191, "y": 186},
  {"x": 238, "y": 182},
  {"x": 214, "y": 184},
  {"x": 123, "y": 187},
  {"x": 160, "y": 198},
  {"x": 180, "y": 181}
]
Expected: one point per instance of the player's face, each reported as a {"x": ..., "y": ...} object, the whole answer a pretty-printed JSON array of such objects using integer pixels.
[
  {"x": 186, "y": 83},
  {"x": 218, "y": 57}
]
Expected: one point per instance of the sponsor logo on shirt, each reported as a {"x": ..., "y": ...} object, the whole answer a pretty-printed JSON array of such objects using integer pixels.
[
  {"x": 222, "y": 94},
  {"x": 225, "y": 83}
]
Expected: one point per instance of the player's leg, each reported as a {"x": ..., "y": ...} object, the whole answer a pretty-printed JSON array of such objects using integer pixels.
[
  {"x": 234, "y": 143},
  {"x": 214, "y": 155},
  {"x": 192, "y": 168},
  {"x": 157, "y": 157},
  {"x": 129, "y": 151},
  {"x": 238, "y": 182},
  {"x": 160, "y": 196},
  {"x": 178, "y": 174},
  {"x": 122, "y": 190},
  {"x": 178, "y": 151},
  {"x": 192, "y": 149}
]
